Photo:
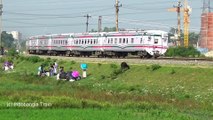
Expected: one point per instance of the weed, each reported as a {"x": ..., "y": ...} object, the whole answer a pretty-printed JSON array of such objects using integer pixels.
[
  {"x": 113, "y": 66},
  {"x": 172, "y": 72},
  {"x": 103, "y": 77},
  {"x": 155, "y": 67},
  {"x": 99, "y": 64},
  {"x": 73, "y": 62}
]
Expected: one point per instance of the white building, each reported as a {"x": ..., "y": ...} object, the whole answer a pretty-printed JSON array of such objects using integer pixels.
[
  {"x": 16, "y": 35},
  {"x": 17, "y": 38}
]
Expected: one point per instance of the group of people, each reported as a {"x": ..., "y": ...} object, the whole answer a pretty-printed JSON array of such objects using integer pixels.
[
  {"x": 8, "y": 66},
  {"x": 60, "y": 74}
]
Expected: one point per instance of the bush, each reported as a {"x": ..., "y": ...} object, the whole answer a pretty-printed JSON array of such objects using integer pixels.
[
  {"x": 172, "y": 72},
  {"x": 99, "y": 64},
  {"x": 182, "y": 52},
  {"x": 12, "y": 52},
  {"x": 115, "y": 73},
  {"x": 155, "y": 67},
  {"x": 114, "y": 66},
  {"x": 34, "y": 59}
]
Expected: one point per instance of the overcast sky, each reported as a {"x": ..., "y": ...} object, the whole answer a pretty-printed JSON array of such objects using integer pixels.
[{"x": 34, "y": 17}]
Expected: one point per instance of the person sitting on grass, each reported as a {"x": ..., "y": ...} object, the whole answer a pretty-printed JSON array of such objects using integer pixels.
[
  {"x": 41, "y": 71},
  {"x": 8, "y": 66}
]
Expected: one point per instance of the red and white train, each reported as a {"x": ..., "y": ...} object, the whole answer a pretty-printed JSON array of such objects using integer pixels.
[{"x": 150, "y": 43}]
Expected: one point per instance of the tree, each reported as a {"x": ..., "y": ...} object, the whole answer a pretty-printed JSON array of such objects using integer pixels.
[
  {"x": 193, "y": 37},
  {"x": 7, "y": 40},
  {"x": 106, "y": 29}
]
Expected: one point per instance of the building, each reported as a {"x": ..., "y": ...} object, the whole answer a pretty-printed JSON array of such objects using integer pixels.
[
  {"x": 17, "y": 38},
  {"x": 16, "y": 35}
]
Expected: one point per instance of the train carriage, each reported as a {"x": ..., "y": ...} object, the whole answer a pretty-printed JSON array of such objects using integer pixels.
[
  {"x": 105, "y": 44},
  {"x": 32, "y": 45},
  {"x": 59, "y": 44}
]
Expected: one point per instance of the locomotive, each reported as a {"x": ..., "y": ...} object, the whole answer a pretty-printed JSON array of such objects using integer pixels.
[{"x": 144, "y": 44}]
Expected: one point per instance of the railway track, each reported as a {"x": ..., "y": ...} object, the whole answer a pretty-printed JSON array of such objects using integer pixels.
[
  {"x": 185, "y": 59},
  {"x": 195, "y": 62}
]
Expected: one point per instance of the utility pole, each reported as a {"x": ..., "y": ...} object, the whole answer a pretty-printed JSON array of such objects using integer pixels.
[
  {"x": 100, "y": 24},
  {"x": 117, "y": 10},
  {"x": 178, "y": 16},
  {"x": 87, "y": 23},
  {"x": 1, "y": 11},
  {"x": 177, "y": 9}
]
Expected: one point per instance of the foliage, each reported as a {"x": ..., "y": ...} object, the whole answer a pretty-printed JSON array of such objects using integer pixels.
[
  {"x": 107, "y": 29},
  {"x": 182, "y": 52},
  {"x": 12, "y": 52},
  {"x": 155, "y": 67},
  {"x": 7, "y": 40},
  {"x": 193, "y": 37},
  {"x": 114, "y": 66}
]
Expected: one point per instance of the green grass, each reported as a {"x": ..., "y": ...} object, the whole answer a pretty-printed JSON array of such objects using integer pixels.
[
  {"x": 142, "y": 92},
  {"x": 91, "y": 114}
]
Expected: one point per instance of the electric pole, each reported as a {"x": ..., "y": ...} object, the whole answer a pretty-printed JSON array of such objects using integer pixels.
[
  {"x": 178, "y": 16},
  {"x": 117, "y": 6},
  {"x": 177, "y": 8},
  {"x": 87, "y": 23},
  {"x": 100, "y": 24},
  {"x": 1, "y": 11}
]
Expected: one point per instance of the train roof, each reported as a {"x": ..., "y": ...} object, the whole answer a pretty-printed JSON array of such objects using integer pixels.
[{"x": 96, "y": 34}]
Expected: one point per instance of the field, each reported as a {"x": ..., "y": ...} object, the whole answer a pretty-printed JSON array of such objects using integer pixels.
[{"x": 142, "y": 92}]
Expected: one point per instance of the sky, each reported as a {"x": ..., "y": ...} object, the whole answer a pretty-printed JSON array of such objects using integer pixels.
[{"x": 39, "y": 17}]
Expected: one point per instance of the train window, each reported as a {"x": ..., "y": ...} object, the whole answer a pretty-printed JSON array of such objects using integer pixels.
[
  {"x": 91, "y": 41},
  {"x": 149, "y": 38},
  {"x": 124, "y": 40},
  {"x": 120, "y": 39},
  {"x": 66, "y": 42},
  {"x": 111, "y": 40},
  {"x": 132, "y": 40},
  {"x": 85, "y": 42},
  {"x": 156, "y": 41},
  {"x": 127, "y": 40},
  {"x": 82, "y": 42},
  {"x": 108, "y": 40},
  {"x": 96, "y": 41},
  {"x": 115, "y": 41},
  {"x": 79, "y": 41},
  {"x": 76, "y": 41},
  {"x": 88, "y": 41}
]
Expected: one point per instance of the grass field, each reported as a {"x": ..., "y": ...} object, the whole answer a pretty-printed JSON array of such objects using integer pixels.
[{"x": 142, "y": 92}]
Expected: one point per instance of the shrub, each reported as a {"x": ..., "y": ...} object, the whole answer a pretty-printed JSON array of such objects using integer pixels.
[
  {"x": 115, "y": 73},
  {"x": 155, "y": 67},
  {"x": 114, "y": 66},
  {"x": 172, "y": 72},
  {"x": 182, "y": 52},
  {"x": 99, "y": 64},
  {"x": 103, "y": 77},
  {"x": 12, "y": 52},
  {"x": 73, "y": 62},
  {"x": 34, "y": 59}
]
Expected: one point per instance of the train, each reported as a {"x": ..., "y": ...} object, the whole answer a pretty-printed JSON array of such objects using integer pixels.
[{"x": 144, "y": 44}]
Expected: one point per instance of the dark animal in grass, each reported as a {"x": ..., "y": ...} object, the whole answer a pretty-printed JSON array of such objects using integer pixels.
[{"x": 124, "y": 66}]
